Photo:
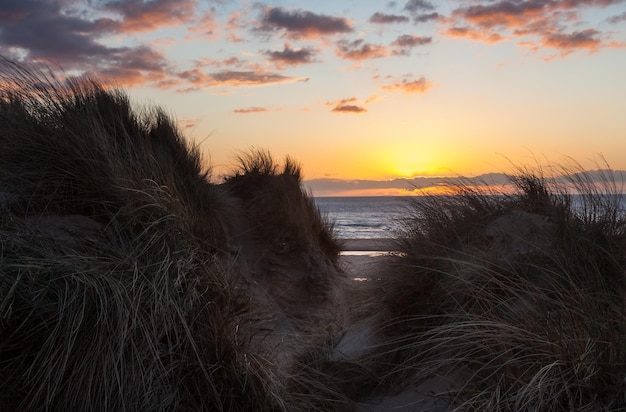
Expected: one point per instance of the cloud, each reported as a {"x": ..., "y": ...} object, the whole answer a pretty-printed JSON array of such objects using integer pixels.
[
  {"x": 406, "y": 42},
  {"x": 538, "y": 24},
  {"x": 423, "y": 18},
  {"x": 502, "y": 13},
  {"x": 498, "y": 182},
  {"x": 42, "y": 30},
  {"x": 346, "y": 106},
  {"x": 134, "y": 66},
  {"x": 199, "y": 79},
  {"x": 235, "y": 23},
  {"x": 349, "y": 108},
  {"x": 302, "y": 23},
  {"x": 618, "y": 18},
  {"x": 141, "y": 16},
  {"x": 415, "y": 6},
  {"x": 186, "y": 123},
  {"x": 228, "y": 62},
  {"x": 53, "y": 32},
  {"x": 422, "y": 11},
  {"x": 408, "y": 86},
  {"x": 206, "y": 25},
  {"x": 414, "y": 186},
  {"x": 253, "y": 109},
  {"x": 380, "y": 18},
  {"x": 481, "y": 35},
  {"x": 359, "y": 50},
  {"x": 291, "y": 57},
  {"x": 586, "y": 39}
]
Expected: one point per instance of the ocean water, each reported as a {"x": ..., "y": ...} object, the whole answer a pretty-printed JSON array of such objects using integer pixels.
[
  {"x": 364, "y": 217},
  {"x": 381, "y": 217}
]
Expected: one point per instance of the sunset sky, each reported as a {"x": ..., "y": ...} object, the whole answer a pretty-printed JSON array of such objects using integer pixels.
[{"x": 367, "y": 90}]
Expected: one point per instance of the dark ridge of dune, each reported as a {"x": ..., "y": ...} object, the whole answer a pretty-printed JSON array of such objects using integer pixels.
[{"x": 129, "y": 279}]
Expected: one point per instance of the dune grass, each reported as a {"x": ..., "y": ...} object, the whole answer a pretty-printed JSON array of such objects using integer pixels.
[
  {"x": 518, "y": 299},
  {"x": 128, "y": 280}
]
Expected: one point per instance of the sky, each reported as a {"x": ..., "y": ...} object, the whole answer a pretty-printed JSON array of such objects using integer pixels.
[{"x": 355, "y": 91}]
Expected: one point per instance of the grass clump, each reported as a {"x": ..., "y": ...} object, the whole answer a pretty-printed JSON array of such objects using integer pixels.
[
  {"x": 128, "y": 279},
  {"x": 518, "y": 300}
]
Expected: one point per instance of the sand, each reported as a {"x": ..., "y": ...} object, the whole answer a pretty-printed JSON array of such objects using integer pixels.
[
  {"x": 362, "y": 258},
  {"x": 367, "y": 245}
]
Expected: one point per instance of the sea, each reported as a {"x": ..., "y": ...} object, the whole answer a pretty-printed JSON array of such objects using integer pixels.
[
  {"x": 376, "y": 217},
  {"x": 379, "y": 217}
]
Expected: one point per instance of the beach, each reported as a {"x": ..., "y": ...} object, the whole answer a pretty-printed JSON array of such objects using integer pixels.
[{"x": 361, "y": 258}]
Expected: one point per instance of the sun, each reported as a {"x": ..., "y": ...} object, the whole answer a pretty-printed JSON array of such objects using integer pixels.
[{"x": 409, "y": 165}]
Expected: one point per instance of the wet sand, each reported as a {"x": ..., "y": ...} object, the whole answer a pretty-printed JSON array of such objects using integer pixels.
[
  {"x": 362, "y": 258},
  {"x": 367, "y": 245}
]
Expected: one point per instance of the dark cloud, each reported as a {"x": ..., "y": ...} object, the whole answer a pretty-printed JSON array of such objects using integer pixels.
[
  {"x": 49, "y": 31},
  {"x": 54, "y": 32},
  {"x": 415, "y": 6},
  {"x": 586, "y": 39},
  {"x": 349, "y": 108},
  {"x": 253, "y": 109},
  {"x": 406, "y": 42},
  {"x": 359, "y": 50},
  {"x": 346, "y": 106},
  {"x": 617, "y": 19},
  {"x": 303, "y": 23},
  {"x": 423, "y": 18},
  {"x": 140, "y": 15},
  {"x": 422, "y": 11},
  {"x": 44, "y": 32},
  {"x": 291, "y": 57},
  {"x": 380, "y": 18}
]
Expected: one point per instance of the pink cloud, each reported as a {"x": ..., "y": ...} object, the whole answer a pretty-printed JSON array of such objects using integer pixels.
[
  {"x": 550, "y": 20},
  {"x": 481, "y": 35},
  {"x": 206, "y": 25},
  {"x": 420, "y": 85}
]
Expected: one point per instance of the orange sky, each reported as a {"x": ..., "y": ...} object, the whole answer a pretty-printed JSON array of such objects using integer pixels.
[{"x": 364, "y": 90}]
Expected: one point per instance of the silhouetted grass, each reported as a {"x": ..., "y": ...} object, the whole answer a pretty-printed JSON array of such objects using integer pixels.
[
  {"x": 518, "y": 299},
  {"x": 129, "y": 280}
]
